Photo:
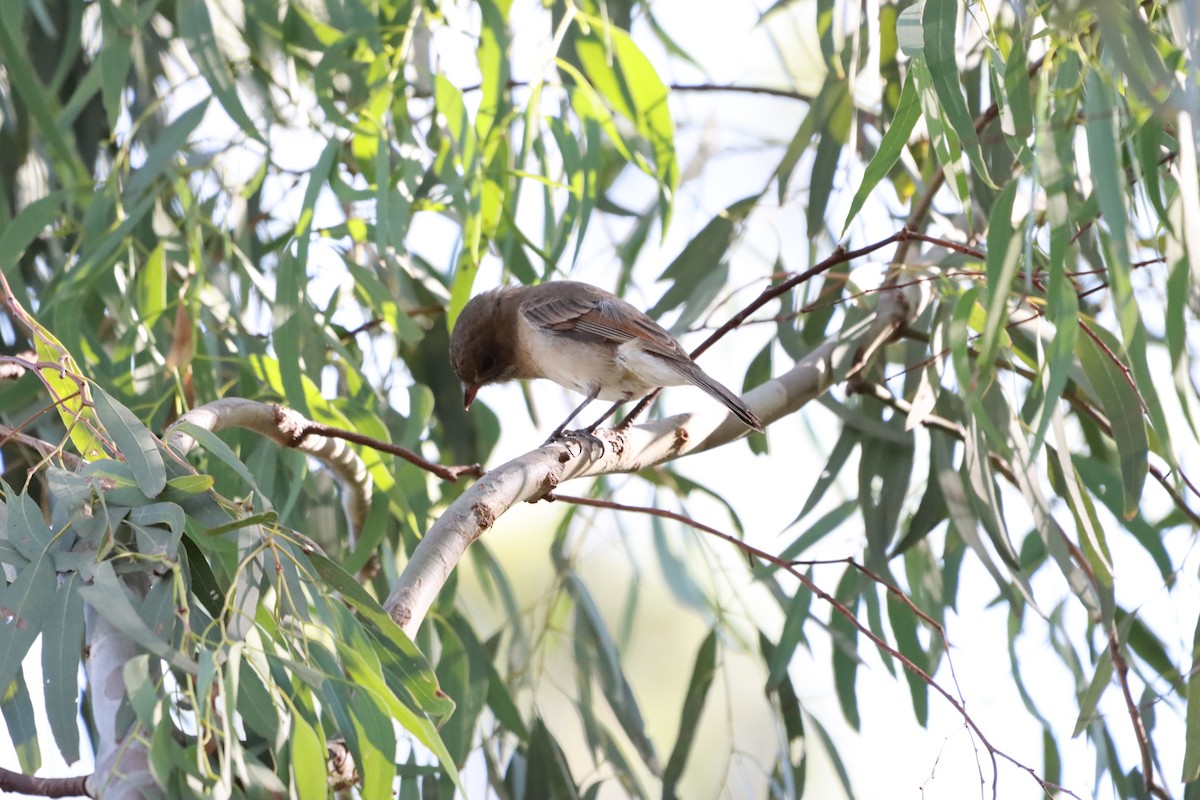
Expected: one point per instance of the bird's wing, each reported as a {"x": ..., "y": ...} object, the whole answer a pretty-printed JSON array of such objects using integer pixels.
[{"x": 601, "y": 318}]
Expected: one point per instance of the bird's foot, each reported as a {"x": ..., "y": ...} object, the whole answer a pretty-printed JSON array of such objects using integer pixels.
[{"x": 581, "y": 435}]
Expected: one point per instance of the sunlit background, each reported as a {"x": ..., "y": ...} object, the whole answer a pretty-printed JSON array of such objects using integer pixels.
[{"x": 661, "y": 602}]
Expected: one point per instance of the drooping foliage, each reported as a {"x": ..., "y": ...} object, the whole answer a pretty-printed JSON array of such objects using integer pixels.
[{"x": 290, "y": 203}]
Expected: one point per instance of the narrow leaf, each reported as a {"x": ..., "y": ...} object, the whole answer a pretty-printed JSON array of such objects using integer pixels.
[
  {"x": 939, "y": 22},
  {"x": 196, "y": 28},
  {"x": 62, "y": 643},
  {"x": 134, "y": 442},
  {"x": 895, "y": 139},
  {"x": 591, "y": 629},
  {"x": 844, "y": 636},
  {"x": 16, "y": 708},
  {"x": 1104, "y": 364},
  {"x": 1191, "y": 752},
  {"x": 703, "y": 672},
  {"x": 23, "y": 607},
  {"x": 308, "y": 760},
  {"x": 108, "y": 595},
  {"x": 622, "y": 74}
]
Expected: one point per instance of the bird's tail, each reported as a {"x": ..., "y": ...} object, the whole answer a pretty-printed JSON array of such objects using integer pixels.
[{"x": 699, "y": 377}]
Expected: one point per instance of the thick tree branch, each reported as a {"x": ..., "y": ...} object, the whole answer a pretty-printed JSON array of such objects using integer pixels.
[{"x": 122, "y": 756}]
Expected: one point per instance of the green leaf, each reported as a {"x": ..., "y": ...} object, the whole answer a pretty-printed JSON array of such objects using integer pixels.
[
  {"x": 16, "y": 707},
  {"x": 1095, "y": 690},
  {"x": 134, "y": 442},
  {"x": 291, "y": 313},
  {"x": 895, "y": 139},
  {"x": 699, "y": 272},
  {"x": 904, "y": 628},
  {"x": 256, "y": 704},
  {"x": 830, "y": 521},
  {"x": 1105, "y": 365},
  {"x": 591, "y": 630},
  {"x": 1016, "y": 116},
  {"x": 148, "y": 522},
  {"x": 196, "y": 28},
  {"x": 114, "y": 58},
  {"x": 455, "y": 675},
  {"x": 376, "y": 746},
  {"x": 26, "y": 530},
  {"x": 1089, "y": 529},
  {"x": 1191, "y": 751},
  {"x": 62, "y": 644},
  {"x": 492, "y": 53},
  {"x": 1151, "y": 649},
  {"x": 166, "y": 148},
  {"x": 820, "y": 183},
  {"x": 110, "y": 598},
  {"x": 832, "y": 750},
  {"x": 795, "y": 616},
  {"x": 1004, "y": 251},
  {"x": 499, "y": 699},
  {"x": 884, "y": 472},
  {"x": 308, "y": 760},
  {"x": 623, "y": 76},
  {"x": 420, "y": 680},
  {"x": 40, "y": 101},
  {"x": 945, "y": 140},
  {"x": 959, "y": 506},
  {"x": 213, "y": 444},
  {"x": 1108, "y": 175},
  {"x": 848, "y": 441},
  {"x": 844, "y": 636},
  {"x": 931, "y": 512},
  {"x": 703, "y": 672},
  {"x": 939, "y": 23},
  {"x": 65, "y": 383},
  {"x": 787, "y": 706},
  {"x": 24, "y": 604},
  {"x": 548, "y": 774},
  {"x": 28, "y": 225}
]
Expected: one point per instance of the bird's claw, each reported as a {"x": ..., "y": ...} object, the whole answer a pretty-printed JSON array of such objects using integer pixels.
[{"x": 581, "y": 435}]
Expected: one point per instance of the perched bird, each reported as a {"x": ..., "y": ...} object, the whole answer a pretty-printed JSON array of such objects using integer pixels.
[{"x": 578, "y": 336}]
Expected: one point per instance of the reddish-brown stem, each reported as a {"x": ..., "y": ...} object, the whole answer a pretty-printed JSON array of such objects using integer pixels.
[
  {"x": 74, "y": 786},
  {"x": 1121, "y": 668},
  {"x": 442, "y": 471},
  {"x": 959, "y": 706}
]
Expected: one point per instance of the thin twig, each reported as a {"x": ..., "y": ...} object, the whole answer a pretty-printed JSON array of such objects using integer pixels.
[
  {"x": 442, "y": 471},
  {"x": 993, "y": 751},
  {"x": 1121, "y": 667},
  {"x": 840, "y": 255}
]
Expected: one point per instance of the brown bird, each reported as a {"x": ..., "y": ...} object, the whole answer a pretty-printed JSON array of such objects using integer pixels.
[{"x": 581, "y": 337}]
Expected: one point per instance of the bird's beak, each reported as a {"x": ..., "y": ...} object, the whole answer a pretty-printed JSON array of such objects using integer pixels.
[{"x": 469, "y": 390}]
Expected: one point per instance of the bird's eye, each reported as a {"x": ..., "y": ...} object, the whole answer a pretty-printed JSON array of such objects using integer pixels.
[{"x": 487, "y": 363}]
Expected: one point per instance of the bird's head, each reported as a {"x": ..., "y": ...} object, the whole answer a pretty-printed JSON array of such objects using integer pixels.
[{"x": 481, "y": 344}]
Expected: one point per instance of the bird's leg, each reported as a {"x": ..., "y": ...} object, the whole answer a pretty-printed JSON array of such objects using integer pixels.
[
  {"x": 558, "y": 432},
  {"x": 592, "y": 428},
  {"x": 627, "y": 423}
]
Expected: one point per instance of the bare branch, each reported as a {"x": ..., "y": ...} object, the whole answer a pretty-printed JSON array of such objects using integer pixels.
[{"x": 75, "y": 786}]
